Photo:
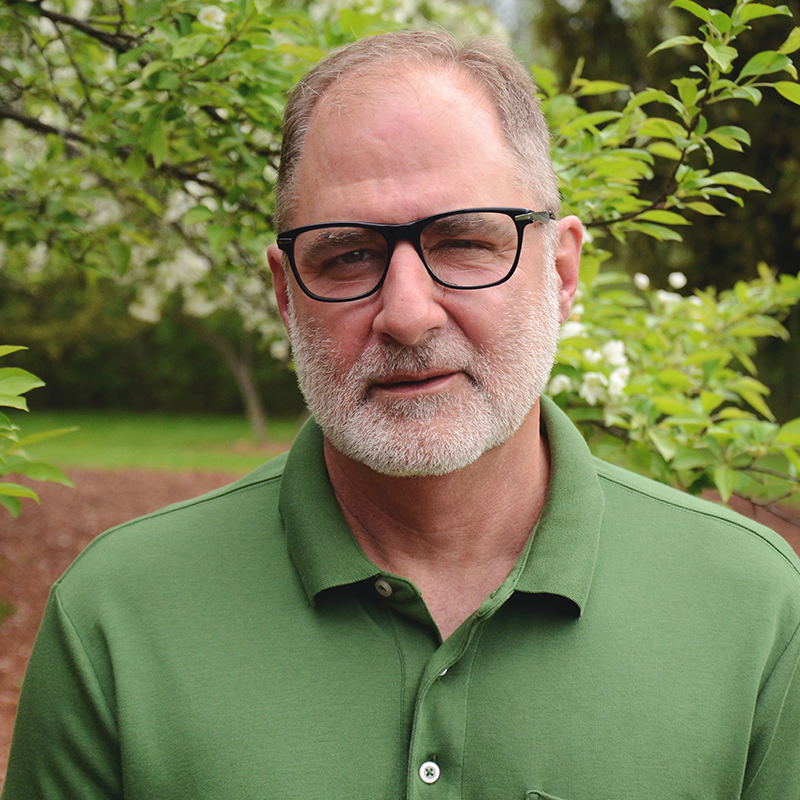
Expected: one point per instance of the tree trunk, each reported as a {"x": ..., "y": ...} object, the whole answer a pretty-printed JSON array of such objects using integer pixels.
[{"x": 241, "y": 366}]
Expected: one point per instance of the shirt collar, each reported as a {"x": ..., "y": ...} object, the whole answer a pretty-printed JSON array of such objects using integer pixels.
[
  {"x": 558, "y": 560},
  {"x": 321, "y": 545},
  {"x": 562, "y": 552}
]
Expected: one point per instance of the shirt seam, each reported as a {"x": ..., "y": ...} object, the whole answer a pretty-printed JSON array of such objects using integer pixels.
[
  {"x": 108, "y": 704},
  {"x": 783, "y": 704},
  {"x": 162, "y": 512},
  {"x": 719, "y": 517}
]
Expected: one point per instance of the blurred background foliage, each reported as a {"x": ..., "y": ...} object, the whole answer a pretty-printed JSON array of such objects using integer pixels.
[{"x": 139, "y": 150}]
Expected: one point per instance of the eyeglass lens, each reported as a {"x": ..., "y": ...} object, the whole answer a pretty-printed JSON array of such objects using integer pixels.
[{"x": 464, "y": 250}]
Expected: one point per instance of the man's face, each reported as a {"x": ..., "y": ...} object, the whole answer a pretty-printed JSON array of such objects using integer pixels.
[{"x": 419, "y": 379}]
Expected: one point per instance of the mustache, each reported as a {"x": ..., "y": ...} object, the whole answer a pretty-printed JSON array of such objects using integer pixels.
[{"x": 382, "y": 360}]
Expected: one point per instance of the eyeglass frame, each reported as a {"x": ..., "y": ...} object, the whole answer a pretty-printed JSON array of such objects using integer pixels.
[{"x": 412, "y": 232}]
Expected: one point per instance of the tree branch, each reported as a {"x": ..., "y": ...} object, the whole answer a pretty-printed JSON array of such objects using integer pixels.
[{"x": 119, "y": 42}]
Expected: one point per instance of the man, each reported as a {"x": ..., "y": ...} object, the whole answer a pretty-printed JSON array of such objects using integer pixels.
[{"x": 439, "y": 592}]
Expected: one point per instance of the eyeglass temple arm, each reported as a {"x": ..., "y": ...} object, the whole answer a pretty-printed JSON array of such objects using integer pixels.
[{"x": 535, "y": 216}]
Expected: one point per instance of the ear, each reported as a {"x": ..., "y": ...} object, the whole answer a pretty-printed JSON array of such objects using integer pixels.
[
  {"x": 280, "y": 281},
  {"x": 568, "y": 259}
]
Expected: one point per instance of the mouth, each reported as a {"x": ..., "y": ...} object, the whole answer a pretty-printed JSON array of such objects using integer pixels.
[{"x": 412, "y": 384}]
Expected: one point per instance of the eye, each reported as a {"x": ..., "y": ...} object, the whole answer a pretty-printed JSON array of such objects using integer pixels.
[{"x": 353, "y": 257}]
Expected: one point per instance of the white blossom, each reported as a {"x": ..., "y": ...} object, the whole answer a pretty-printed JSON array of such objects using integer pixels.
[
  {"x": 593, "y": 387},
  {"x": 667, "y": 298},
  {"x": 592, "y": 356},
  {"x": 211, "y": 17},
  {"x": 618, "y": 380},
  {"x": 177, "y": 205},
  {"x": 185, "y": 269},
  {"x": 279, "y": 350},
  {"x": 614, "y": 353},
  {"x": 559, "y": 383},
  {"x": 677, "y": 280},
  {"x": 81, "y": 9},
  {"x": 107, "y": 211},
  {"x": 147, "y": 306},
  {"x": 37, "y": 259},
  {"x": 572, "y": 330},
  {"x": 641, "y": 281},
  {"x": 197, "y": 304}
]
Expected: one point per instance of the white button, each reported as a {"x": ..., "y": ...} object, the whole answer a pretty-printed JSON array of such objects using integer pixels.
[
  {"x": 443, "y": 673},
  {"x": 383, "y": 588},
  {"x": 429, "y": 772}
]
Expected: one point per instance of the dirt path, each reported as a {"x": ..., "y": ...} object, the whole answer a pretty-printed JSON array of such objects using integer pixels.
[{"x": 36, "y": 548}]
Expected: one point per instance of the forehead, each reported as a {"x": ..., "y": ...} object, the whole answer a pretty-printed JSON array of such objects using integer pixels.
[{"x": 400, "y": 146}]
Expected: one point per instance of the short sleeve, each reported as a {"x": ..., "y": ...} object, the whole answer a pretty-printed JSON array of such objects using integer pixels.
[
  {"x": 65, "y": 742},
  {"x": 773, "y": 771}
]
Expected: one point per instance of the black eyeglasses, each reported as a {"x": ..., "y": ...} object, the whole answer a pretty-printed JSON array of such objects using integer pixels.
[{"x": 470, "y": 249}]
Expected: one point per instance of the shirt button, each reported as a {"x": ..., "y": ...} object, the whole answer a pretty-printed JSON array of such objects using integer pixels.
[
  {"x": 443, "y": 673},
  {"x": 429, "y": 772},
  {"x": 383, "y": 588}
]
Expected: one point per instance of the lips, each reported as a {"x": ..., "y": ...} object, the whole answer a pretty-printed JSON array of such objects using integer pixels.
[{"x": 401, "y": 382}]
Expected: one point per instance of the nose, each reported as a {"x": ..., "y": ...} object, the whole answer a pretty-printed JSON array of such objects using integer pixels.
[{"x": 410, "y": 300}]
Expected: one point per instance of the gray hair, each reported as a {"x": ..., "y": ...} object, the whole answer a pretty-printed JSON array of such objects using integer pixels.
[{"x": 490, "y": 65}]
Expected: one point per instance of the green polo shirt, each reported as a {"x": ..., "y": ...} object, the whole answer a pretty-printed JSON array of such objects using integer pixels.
[{"x": 241, "y": 645}]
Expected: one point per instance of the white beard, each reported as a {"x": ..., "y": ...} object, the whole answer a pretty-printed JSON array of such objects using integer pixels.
[{"x": 432, "y": 434}]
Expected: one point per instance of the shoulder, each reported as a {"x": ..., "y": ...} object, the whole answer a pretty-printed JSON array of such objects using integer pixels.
[
  {"x": 193, "y": 535},
  {"x": 693, "y": 527}
]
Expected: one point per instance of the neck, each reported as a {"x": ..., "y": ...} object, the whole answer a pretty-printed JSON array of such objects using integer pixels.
[{"x": 456, "y": 536}]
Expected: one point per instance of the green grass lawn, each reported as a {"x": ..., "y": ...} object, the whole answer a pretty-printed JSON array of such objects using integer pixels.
[{"x": 121, "y": 440}]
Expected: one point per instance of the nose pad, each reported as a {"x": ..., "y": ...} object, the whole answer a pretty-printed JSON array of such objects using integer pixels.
[{"x": 410, "y": 300}]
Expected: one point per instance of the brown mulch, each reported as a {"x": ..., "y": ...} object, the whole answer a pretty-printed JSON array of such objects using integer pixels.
[{"x": 36, "y": 548}]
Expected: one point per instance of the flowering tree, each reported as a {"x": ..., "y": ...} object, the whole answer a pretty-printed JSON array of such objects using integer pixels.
[
  {"x": 140, "y": 144},
  {"x": 658, "y": 381},
  {"x": 140, "y": 148}
]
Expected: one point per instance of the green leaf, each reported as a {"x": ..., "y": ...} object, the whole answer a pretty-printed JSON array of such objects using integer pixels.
[
  {"x": 725, "y": 479},
  {"x": 119, "y": 253},
  {"x": 6, "y": 349},
  {"x": 791, "y": 91},
  {"x": 740, "y": 181},
  {"x": 766, "y": 63},
  {"x": 15, "y": 381},
  {"x": 789, "y": 433},
  {"x": 157, "y": 144},
  {"x": 665, "y": 444},
  {"x": 189, "y": 46},
  {"x": 665, "y": 150},
  {"x": 12, "y": 504},
  {"x": 675, "y": 41},
  {"x": 15, "y": 490},
  {"x": 669, "y": 405},
  {"x": 588, "y": 121},
  {"x": 153, "y": 67},
  {"x": 601, "y": 87},
  {"x": 546, "y": 80},
  {"x": 664, "y": 217},
  {"x": 692, "y": 8},
  {"x": 728, "y": 142},
  {"x": 196, "y": 214},
  {"x": 735, "y": 132},
  {"x": 136, "y": 165},
  {"x": 721, "y": 54},
  {"x": 12, "y": 401},
  {"x": 704, "y": 208},
  {"x": 756, "y": 10},
  {"x": 709, "y": 401},
  {"x": 37, "y": 471},
  {"x": 792, "y": 43}
]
